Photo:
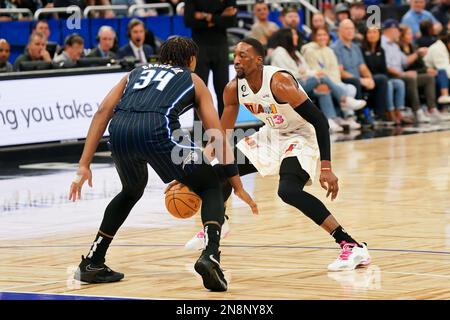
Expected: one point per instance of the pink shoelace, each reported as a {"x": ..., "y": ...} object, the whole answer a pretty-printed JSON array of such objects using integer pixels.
[{"x": 346, "y": 250}]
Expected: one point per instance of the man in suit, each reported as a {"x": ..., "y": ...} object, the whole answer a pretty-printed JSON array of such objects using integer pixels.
[
  {"x": 105, "y": 37},
  {"x": 136, "y": 47}
]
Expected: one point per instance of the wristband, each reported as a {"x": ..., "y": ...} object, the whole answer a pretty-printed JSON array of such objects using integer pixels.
[{"x": 325, "y": 169}]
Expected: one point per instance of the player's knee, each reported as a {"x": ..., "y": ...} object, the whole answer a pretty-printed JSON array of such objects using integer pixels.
[{"x": 288, "y": 191}]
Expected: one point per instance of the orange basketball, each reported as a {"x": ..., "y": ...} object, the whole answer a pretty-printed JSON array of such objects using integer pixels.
[{"x": 181, "y": 202}]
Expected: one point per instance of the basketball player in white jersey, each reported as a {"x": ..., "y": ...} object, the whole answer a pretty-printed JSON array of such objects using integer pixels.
[{"x": 295, "y": 136}]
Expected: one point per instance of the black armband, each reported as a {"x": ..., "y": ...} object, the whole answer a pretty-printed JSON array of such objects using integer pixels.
[
  {"x": 230, "y": 170},
  {"x": 308, "y": 111}
]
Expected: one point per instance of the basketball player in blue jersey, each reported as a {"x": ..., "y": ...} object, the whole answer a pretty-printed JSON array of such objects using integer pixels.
[
  {"x": 294, "y": 137},
  {"x": 144, "y": 109}
]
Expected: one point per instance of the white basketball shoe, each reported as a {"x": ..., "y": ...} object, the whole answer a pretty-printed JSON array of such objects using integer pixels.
[
  {"x": 198, "y": 241},
  {"x": 351, "y": 257}
]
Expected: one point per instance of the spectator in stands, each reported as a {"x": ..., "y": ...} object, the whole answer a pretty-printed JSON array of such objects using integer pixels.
[
  {"x": 67, "y": 3},
  {"x": 5, "y": 66},
  {"x": 355, "y": 71},
  {"x": 427, "y": 37},
  {"x": 438, "y": 56},
  {"x": 35, "y": 51},
  {"x": 416, "y": 14},
  {"x": 262, "y": 29},
  {"x": 315, "y": 83},
  {"x": 209, "y": 21},
  {"x": 73, "y": 49},
  {"x": 103, "y": 14},
  {"x": 375, "y": 59},
  {"x": 342, "y": 12},
  {"x": 321, "y": 58},
  {"x": 43, "y": 27},
  {"x": 328, "y": 12},
  {"x": 357, "y": 15},
  {"x": 136, "y": 46},
  {"x": 397, "y": 61},
  {"x": 289, "y": 18},
  {"x": 318, "y": 21},
  {"x": 106, "y": 37},
  {"x": 419, "y": 66},
  {"x": 441, "y": 12}
]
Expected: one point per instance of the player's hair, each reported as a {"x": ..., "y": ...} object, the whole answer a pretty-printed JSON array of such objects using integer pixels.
[
  {"x": 178, "y": 51},
  {"x": 256, "y": 45}
]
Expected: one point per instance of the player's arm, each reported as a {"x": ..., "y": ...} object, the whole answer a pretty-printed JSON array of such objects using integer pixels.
[
  {"x": 230, "y": 108},
  {"x": 96, "y": 130},
  {"x": 210, "y": 119},
  {"x": 285, "y": 90}
]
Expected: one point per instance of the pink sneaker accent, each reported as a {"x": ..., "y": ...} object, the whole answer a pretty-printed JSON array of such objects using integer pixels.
[
  {"x": 346, "y": 250},
  {"x": 200, "y": 234}
]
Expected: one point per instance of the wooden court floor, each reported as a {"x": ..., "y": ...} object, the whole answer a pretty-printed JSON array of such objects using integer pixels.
[{"x": 394, "y": 195}]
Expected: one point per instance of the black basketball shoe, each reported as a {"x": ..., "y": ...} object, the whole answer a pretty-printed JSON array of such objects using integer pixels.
[
  {"x": 91, "y": 273},
  {"x": 208, "y": 266}
]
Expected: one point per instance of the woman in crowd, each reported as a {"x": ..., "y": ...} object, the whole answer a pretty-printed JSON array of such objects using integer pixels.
[
  {"x": 376, "y": 62},
  {"x": 321, "y": 58},
  {"x": 442, "y": 81}
]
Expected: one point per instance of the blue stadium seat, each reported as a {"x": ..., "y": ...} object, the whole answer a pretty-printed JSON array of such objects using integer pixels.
[
  {"x": 83, "y": 31},
  {"x": 97, "y": 23},
  {"x": 16, "y": 32},
  {"x": 122, "y": 33},
  {"x": 55, "y": 31},
  {"x": 15, "y": 51},
  {"x": 178, "y": 27},
  {"x": 160, "y": 26}
]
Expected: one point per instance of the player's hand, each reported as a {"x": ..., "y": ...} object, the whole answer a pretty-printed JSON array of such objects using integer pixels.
[
  {"x": 329, "y": 182},
  {"x": 244, "y": 196},
  {"x": 83, "y": 174},
  {"x": 170, "y": 185}
]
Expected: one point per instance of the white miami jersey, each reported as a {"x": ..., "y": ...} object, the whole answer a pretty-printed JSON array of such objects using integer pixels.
[
  {"x": 278, "y": 116},
  {"x": 285, "y": 133}
]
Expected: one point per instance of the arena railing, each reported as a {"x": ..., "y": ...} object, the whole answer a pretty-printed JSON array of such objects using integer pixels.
[
  {"x": 118, "y": 7},
  {"x": 17, "y": 11},
  {"x": 69, "y": 10},
  {"x": 155, "y": 6}
]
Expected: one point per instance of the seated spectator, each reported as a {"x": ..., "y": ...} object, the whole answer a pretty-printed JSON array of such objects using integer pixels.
[
  {"x": 287, "y": 57},
  {"x": 427, "y": 37},
  {"x": 73, "y": 49},
  {"x": 35, "y": 51},
  {"x": 106, "y": 37},
  {"x": 262, "y": 29},
  {"x": 416, "y": 14},
  {"x": 441, "y": 12},
  {"x": 438, "y": 56},
  {"x": 397, "y": 62},
  {"x": 342, "y": 11},
  {"x": 420, "y": 68},
  {"x": 375, "y": 59},
  {"x": 42, "y": 26},
  {"x": 5, "y": 66},
  {"x": 321, "y": 58},
  {"x": 136, "y": 47},
  {"x": 355, "y": 71},
  {"x": 289, "y": 18},
  {"x": 357, "y": 15},
  {"x": 318, "y": 21},
  {"x": 100, "y": 14}
]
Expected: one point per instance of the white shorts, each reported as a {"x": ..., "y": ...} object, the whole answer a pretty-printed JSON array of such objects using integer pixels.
[{"x": 267, "y": 148}]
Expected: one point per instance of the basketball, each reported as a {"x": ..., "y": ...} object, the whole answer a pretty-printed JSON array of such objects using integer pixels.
[{"x": 181, "y": 202}]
